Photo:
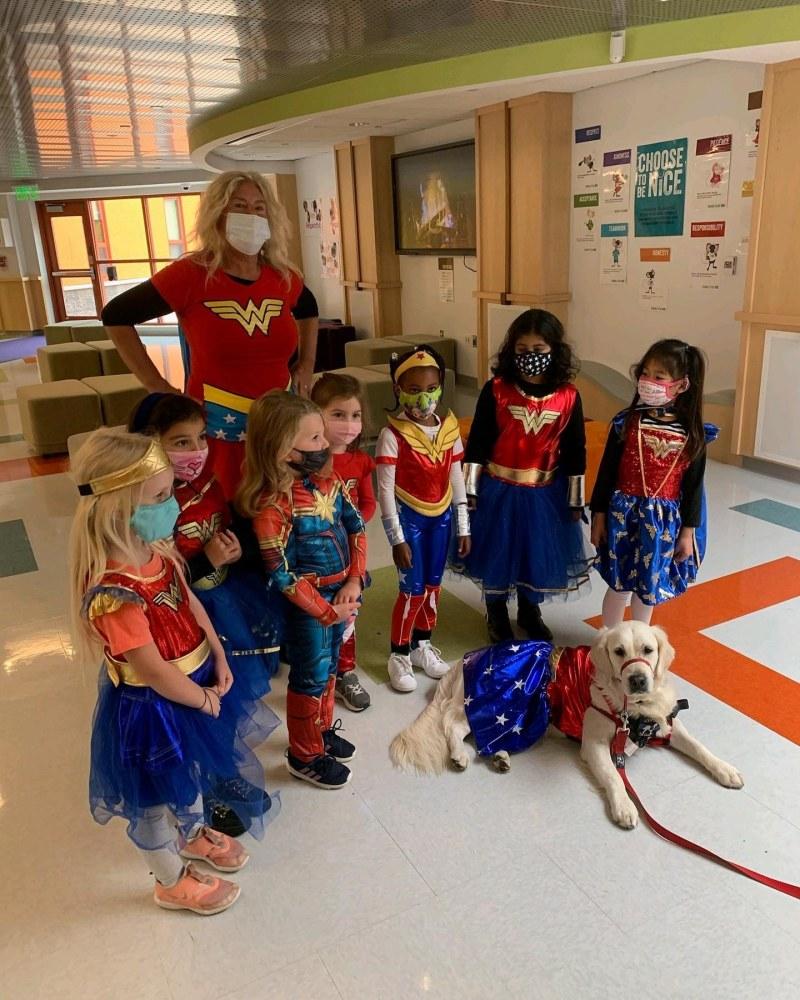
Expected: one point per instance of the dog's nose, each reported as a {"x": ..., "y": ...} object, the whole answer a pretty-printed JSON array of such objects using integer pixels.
[{"x": 637, "y": 683}]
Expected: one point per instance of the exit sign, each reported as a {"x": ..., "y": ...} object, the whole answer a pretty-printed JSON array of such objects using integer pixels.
[{"x": 26, "y": 192}]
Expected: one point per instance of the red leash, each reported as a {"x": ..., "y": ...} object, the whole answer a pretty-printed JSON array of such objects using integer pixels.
[{"x": 618, "y": 756}]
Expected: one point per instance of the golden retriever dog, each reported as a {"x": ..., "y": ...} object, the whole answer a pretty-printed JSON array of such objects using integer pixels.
[{"x": 627, "y": 671}]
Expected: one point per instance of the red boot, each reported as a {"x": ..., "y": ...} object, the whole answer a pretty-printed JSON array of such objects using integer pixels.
[{"x": 306, "y": 757}]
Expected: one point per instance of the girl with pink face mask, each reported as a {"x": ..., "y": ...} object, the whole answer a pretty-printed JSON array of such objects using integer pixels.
[
  {"x": 648, "y": 504},
  {"x": 231, "y": 588}
]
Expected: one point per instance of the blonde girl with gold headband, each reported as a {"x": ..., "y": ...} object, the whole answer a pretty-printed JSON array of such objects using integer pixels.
[{"x": 168, "y": 718}]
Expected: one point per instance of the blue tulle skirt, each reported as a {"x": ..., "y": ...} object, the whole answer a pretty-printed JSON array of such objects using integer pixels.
[
  {"x": 150, "y": 752},
  {"x": 524, "y": 537},
  {"x": 247, "y": 615},
  {"x": 640, "y": 553}
]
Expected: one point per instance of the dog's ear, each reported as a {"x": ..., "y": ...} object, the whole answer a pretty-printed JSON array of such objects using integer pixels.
[
  {"x": 666, "y": 654},
  {"x": 603, "y": 667}
]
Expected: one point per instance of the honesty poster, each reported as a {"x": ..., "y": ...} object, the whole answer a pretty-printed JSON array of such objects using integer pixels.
[
  {"x": 660, "y": 193},
  {"x": 653, "y": 277},
  {"x": 712, "y": 166},
  {"x": 587, "y": 158},
  {"x": 617, "y": 180},
  {"x": 587, "y": 225},
  {"x": 613, "y": 253},
  {"x": 706, "y": 254}
]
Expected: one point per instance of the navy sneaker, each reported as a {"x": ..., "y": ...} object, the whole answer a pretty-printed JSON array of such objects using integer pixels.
[
  {"x": 240, "y": 790},
  {"x": 335, "y": 745},
  {"x": 324, "y": 771},
  {"x": 223, "y": 819}
]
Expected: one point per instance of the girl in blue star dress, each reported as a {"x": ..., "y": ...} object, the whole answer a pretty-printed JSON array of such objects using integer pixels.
[{"x": 648, "y": 504}]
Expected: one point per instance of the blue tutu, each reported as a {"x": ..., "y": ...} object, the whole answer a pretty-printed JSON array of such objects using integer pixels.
[
  {"x": 148, "y": 751},
  {"x": 247, "y": 615},
  {"x": 639, "y": 555},
  {"x": 505, "y": 695},
  {"x": 525, "y": 537}
]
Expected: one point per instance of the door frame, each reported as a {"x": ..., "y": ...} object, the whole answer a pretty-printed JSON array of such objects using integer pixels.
[{"x": 72, "y": 207}]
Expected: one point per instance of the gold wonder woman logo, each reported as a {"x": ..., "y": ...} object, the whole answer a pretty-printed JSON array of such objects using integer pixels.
[
  {"x": 531, "y": 420},
  {"x": 202, "y": 530},
  {"x": 250, "y": 317},
  {"x": 661, "y": 448},
  {"x": 171, "y": 597}
]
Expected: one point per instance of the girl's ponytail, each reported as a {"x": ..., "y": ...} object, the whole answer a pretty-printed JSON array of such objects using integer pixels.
[{"x": 689, "y": 404}]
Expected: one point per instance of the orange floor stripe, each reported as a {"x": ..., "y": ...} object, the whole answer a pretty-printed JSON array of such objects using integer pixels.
[
  {"x": 27, "y": 468},
  {"x": 757, "y": 691}
]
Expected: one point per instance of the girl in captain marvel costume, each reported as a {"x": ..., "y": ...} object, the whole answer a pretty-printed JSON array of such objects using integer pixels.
[
  {"x": 339, "y": 399},
  {"x": 648, "y": 505},
  {"x": 420, "y": 483},
  {"x": 524, "y": 468},
  {"x": 169, "y": 718},
  {"x": 313, "y": 545}
]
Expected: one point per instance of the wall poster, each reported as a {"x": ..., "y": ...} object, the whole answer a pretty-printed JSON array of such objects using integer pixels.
[
  {"x": 712, "y": 167},
  {"x": 587, "y": 223},
  {"x": 613, "y": 253},
  {"x": 587, "y": 158},
  {"x": 706, "y": 254},
  {"x": 660, "y": 192},
  {"x": 617, "y": 180},
  {"x": 653, "y": 277}
]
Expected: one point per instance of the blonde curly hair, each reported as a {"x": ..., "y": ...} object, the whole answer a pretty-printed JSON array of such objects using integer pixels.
[{"x": 209, "y": 229}]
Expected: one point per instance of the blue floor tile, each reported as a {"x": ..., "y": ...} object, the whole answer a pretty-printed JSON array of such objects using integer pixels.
[
  {"x": 16, "y": 554},
  {"x": 782, "y": 514}
]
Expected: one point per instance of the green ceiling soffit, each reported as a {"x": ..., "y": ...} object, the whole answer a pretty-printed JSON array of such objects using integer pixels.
[{"x": 670, "y": 38}]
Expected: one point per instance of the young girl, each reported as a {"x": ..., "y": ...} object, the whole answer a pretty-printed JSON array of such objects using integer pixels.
[
  {"x": 524, "y": 466},
  {"x": 419, "y": 484},
  {"x": 339, "y": 399},
  {"x": 314, "y": 548},
  {"x": 168, "y": 719},
  {"x": 648, "y": 508}
]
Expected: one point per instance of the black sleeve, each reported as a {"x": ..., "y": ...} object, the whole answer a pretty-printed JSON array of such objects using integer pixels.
[
  {"x": 572, "y": 457},
  {"x": 198, "y": 566},
  {"x": 306, "y": 306},
  {"x": 692, "y": 492},
  {"x": 484, "y": 430},
  {"x": 242, "y": 527},
  {"x": 606, "y": 481},
  {"x": 138, "y": 305}
]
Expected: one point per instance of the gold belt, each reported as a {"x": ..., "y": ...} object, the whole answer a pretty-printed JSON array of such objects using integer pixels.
[
  {"x": 214, "y": 579},
  {"x": 121, "y": 672},
  {"x": 426, "y": 507},
  {"x": 525, "y": 477}
]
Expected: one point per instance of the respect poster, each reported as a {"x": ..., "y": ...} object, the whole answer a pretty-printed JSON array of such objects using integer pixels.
[
  {"x": 617, "y": 180},
  {"x": 711, "y": 170},
  {"x": 613, "y": 253},
  {"x": 587, "y": 159},
  {"x": 660, "y": 193}
]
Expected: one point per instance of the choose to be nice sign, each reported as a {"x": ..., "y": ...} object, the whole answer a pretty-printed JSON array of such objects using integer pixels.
[{"x": 660, "y": 191}]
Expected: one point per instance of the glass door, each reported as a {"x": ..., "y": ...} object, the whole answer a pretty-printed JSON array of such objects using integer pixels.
[{"x": 66, "y": 231}]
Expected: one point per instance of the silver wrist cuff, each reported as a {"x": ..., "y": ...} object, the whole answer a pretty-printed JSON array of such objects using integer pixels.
[
  {"x": 472, "y": 475},
  {"x": 576, "y": 492},
  {"x": 462, "y": 520},
  {"x": 393, "y": 529}
]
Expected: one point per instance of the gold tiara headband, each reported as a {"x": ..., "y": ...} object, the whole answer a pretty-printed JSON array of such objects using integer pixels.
[
  {"x": 419, "y": 359},
  {"x": 153, "y": 461}
]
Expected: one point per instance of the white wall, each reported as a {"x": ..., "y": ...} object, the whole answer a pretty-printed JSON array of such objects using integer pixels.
[
  {"x": 316, "y": 178},
  {"x": 424, "y": 314},
  {"x": 607, "y": 323}
]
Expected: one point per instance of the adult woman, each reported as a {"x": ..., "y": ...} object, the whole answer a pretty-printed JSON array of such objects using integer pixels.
[{"x": 242, "y": 307}]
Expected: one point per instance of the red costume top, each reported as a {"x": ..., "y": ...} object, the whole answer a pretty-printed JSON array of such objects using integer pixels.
[
  {"x": 312, "y": 539},
  {"x": 653, "y": 460},
  {"x": 204, "y": 512},
  {"x": 570, "y": 689},
  {"x": 422, "y": 477},
  {"x": 355, "y": 469},
  {"x": 528, "y": 445}
]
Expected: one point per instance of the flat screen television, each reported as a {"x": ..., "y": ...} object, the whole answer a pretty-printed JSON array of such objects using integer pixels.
[{"x": 434, "y": 200}]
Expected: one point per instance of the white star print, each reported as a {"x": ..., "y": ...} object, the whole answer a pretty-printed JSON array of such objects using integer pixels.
[
  {"x": 519, "y": 685},
  {"x": 220, "y": 435},
  {"x": 501, "y": 720},
  {"x": 401, "y": 577},
  {"x": 242, "y": 436},
  {"x": 489, "y": 670},
  {"x": 516, "y": 729},
  {"x": 514, "y": 649},
  {"x": 229, "y": 418},
  {"x": 468, "y": 700}
]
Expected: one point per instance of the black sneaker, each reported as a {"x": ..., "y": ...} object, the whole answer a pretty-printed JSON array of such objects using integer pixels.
[
  {"x": 336, "y": 746},
  {"x": 529, "y": 619},
  {"x": 498, "y": 623},
  {"x": 349, "y": 690},
  {"x": 223, "y": 819},
  {"x": 240, "y": 790},
  {"x": 324, "y": 772}
]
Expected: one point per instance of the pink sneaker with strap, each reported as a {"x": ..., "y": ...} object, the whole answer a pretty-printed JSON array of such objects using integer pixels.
[
  {"x": 197, "y": 891},
  {"x": 217, "y": 850}
]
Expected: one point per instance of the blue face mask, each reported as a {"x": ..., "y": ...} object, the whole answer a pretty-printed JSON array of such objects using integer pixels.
[{"x": 155, "y": 521}]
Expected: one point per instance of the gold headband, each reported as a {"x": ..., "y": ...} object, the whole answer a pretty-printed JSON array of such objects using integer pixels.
[
  {"x": 419, "y": 359},
  {"x": 153, "y": 461}
]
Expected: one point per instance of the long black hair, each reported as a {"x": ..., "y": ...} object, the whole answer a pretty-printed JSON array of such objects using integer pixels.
[
  {"x": 160, "y": 411},
  {"x": 563, "y": 367},
  {"x": 397, "y": 359},
  {"x": 682, "y": 361}
]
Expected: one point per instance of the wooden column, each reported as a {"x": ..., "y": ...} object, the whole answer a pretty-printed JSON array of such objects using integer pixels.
[
  {"x": 523, "y": 181},
  {"x": 772, "y": 291},
  {"x": 285, "y": 188},
  {"x": 21, "y": 304},
  {"x": 369, "y": 260}
]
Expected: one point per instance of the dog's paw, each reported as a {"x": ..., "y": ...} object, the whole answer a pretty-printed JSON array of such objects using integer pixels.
[
  {"x": 501, "y": 761},
  {"x": 624, "y": 814},
  {"x": 461, "y": 761},
  {"x": 727, "y": 775}
]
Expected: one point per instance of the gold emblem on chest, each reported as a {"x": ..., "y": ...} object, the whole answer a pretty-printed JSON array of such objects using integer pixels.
[
  {"x": 663, "y": 447},
  {"x": 532, "y": 421},
  {"x": 171, "y": 597}
]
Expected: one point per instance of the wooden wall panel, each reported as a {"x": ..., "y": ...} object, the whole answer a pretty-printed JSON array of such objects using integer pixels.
[
  {"x": 365, "y": 211},
  {"x": 285, "y": 188},
  {"x": 491, "y": 160},
  {"x": 346, "y": 192}
]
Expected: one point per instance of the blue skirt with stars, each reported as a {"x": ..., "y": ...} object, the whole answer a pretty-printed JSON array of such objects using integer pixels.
[
  {"x": 640, "y": 553},
  {"x": 505, "y": 695}
]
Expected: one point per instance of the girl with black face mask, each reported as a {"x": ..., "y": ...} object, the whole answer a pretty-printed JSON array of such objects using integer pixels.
[{"x": 524, "y": 468}]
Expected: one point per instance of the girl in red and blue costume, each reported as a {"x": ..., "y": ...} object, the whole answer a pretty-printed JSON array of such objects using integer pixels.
[
  {"x": 313, "y": 546},
  {"x": 420, "y": 484},
  {"x": 525, "y": 464}
]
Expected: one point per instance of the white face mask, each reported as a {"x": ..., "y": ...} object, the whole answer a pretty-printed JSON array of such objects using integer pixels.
[{"x": 246, "y": 233}]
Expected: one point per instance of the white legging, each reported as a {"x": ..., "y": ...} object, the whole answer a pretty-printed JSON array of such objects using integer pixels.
[
  {"x": 615, "y": 602},
  {"x": 159, "y": 827}
]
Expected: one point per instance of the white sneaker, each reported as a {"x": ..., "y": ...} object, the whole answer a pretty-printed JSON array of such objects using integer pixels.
[
  {"x": 401, "y": 673},
  {"x": 429, "y": 658}
]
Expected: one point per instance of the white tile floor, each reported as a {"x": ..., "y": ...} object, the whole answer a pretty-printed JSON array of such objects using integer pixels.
[{"x": 469, "y": 885}]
